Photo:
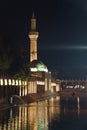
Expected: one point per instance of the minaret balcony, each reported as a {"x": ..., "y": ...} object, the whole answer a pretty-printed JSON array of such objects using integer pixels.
[{"x": 33, "y": 35}]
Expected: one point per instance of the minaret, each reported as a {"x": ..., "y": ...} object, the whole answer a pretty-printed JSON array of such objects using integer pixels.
[{"x": 33, "y": 35}]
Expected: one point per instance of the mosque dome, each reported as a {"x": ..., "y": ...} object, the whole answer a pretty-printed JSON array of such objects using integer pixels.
[{"x": 38, "y": 66}]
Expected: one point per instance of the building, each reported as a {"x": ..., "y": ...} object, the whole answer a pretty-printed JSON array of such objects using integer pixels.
[
  {"x": 40, "y": 76},
  {"x": 41, "y": 81}
]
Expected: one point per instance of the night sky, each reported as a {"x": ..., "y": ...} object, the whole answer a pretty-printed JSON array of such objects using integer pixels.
[{"x": 62, "y": 27}]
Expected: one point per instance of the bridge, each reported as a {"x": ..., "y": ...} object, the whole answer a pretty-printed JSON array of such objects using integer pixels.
[{"x": 82, "y": 84}]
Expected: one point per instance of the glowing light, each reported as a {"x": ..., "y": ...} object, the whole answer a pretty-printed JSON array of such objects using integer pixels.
[
  {"x": 9, "y": 81},
  {"x": 5, "y": 80},
  {"x": 33, "y": 69},
  {"x": 25, "y": 83},
  {"x": 22, "y": 82},
  {"x": 40, "y": 83},
  {"x": 52, "y": 90},
  {"x": 13, "y": 82},
  {"x": 57, "y": 87},
  {"x": 53, "y": 84},
  {"x": 52, "y": 99},
  {"x": 23, "y": 92},
  {"x": 82, "y": 87},
  {"x": 76, "y": 86},
  {"x": 16, "y": 82},
  {"x": 1, "y": 81},
  {"x": 19, "y": 82},
  {"x": 41, "y": 67},
  {"x": 20, "y": 91},
  {"x": 45, "y": 84}
]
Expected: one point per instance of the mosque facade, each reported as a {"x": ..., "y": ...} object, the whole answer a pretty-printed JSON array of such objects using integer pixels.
[{"x": 41, "y": 79}]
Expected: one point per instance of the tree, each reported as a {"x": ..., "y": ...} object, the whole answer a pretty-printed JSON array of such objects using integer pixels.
[
  {"x": 5, "y": 56},
  {"x": 5, "y": 62},
  {"x": 24, "y": 66}
]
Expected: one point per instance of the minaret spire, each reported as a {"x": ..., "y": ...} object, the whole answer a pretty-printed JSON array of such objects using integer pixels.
[
  {"x": 33, "y": 15},
  {"x": 33, "y": 35},
  {"x": 33, "y": 23}
]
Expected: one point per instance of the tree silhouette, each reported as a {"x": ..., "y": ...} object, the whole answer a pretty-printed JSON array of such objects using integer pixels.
[
  {"x": 5, "y": 63},
  {"x": 5, "y": 57}
]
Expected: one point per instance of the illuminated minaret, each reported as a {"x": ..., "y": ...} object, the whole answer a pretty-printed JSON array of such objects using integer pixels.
[{"x": 33, "y": 35}]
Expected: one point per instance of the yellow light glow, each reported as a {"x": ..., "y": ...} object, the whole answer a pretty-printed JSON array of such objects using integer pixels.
[
  {"x": 1, "y": 81},
  {"x": 9, "y": 81},
  {"x": 33, "y": 69},
  {"x": 40, "y": 82},
  {"x": 5, "y": 80},
  {"x": 83, "y": 87},
  {"x": 53, "y": 84},
  {"x": 22, "y": 82},
  {"x": 19, "y": 82},
  {"x": 52, "y": 99},
  {"x": 16, "y": 82},
  {"x": 25, "y": 83},
  {"x": 25, "y": 91},
  {"x": 57, "y": 87},
  {"x": 13, "y": 82},
  {"x": 45, "y": 84},
  {"x": 52, "y": 89},
  {"x": 20, "y": 91}
]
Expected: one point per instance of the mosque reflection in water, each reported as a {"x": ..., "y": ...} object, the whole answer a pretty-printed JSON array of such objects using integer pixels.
[
  {"x": 55, "y": 113},
  {"x": 34, "y": 116}
]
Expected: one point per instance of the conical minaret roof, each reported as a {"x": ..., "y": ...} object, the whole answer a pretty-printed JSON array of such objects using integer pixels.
[
  {"x": 33, "y": 22},
  {"x": 33, "y": 15}
]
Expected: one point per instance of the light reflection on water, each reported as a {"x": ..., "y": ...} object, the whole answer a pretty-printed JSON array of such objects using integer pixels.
[{"x": 53, "y": 114}]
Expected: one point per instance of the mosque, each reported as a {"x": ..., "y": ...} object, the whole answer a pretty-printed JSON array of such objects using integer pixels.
[
  {"x": 41, "y": 79},
  {"x": 41, "y": 82}
]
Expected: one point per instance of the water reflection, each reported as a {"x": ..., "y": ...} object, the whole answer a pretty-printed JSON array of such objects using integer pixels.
[
  {"x": 30, "y": 117},
  {"x": 55, "y": 113}
]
